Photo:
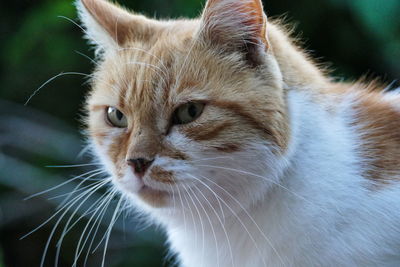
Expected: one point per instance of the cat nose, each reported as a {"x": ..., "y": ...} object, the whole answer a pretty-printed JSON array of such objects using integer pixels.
[{"x": 140, "y": 165}]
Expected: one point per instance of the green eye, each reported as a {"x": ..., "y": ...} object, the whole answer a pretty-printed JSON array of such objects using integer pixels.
[
  {"x": 187, "y": 113},
  {"x": 116, "y": 118}
]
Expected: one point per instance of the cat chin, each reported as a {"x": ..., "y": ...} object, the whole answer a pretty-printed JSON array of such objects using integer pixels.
[
  {"x": 128, "y": 184},
  {"x": 137, "y": 190},
  {"x": 153, "y": 197}
]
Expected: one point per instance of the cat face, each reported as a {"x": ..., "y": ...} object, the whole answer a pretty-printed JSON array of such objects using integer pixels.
[{"x": 185, "y": 109}]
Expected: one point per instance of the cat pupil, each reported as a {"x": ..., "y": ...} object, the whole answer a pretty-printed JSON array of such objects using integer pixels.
[
  {"x": 119, "y": 115},
  {"x": 192, "y": 110}
]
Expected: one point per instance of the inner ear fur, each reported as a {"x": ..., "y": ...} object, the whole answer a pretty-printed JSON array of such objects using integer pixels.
[
  {"x": 238, "y": 25},
  {"x": 114, "y": 21}
]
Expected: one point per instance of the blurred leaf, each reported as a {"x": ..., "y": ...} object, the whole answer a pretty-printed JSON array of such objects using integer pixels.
[
  {"x": 380, "y": 17},
  {"x": 37, "y": 31},
  {"x": 41, "y": 46},
  {"x": 1, "y": 259}
]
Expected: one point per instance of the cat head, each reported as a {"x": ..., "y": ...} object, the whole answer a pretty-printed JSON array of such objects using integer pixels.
[{"x": 186, "y": 109}]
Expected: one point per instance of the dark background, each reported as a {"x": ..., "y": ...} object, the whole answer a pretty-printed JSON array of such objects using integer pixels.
[{"x": 354, "y": 37}]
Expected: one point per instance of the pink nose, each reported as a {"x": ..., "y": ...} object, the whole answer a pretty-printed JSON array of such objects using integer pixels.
[{"x": 140, "y": 165}]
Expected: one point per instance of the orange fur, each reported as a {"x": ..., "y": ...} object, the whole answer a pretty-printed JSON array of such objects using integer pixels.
[
  {"x": 380, "y": 124},
  {"x": 377, "y": 121}
]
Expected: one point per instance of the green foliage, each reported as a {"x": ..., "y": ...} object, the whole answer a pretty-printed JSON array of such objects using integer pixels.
[
  {"x": 36, "y": 34},
  {"x": 380, "y": 19},
  {"x": 1, "y": 259}
]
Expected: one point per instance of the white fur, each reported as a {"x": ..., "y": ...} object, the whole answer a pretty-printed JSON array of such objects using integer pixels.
[
  {"x": 323, "y": 216},
  {"x": 311, "y": 207}
]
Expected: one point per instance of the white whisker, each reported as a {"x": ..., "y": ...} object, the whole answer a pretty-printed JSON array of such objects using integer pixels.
[
  {"x": 241, "y": 222},
  {"x": 183, "y": 211},
  {"x": 102, "y": 206},
  {"x": 78, "y": 186},
  {"x": 89, "y": 193},
  {"x": 67, "y": 228},
  {"x": 113, "y": 220},
  {"x": 193, "y": 219},
  {"x": 87, "y": 57},
  {"x": 201, "y": 223},
  {"x": 144, "y": 51},
  {"x": 97, "y": 222},
  {"x": 256, "y": 175},
  {"x": 58, "y": 186},
  {"x": 216, "y": 214},
  {"x": 71, "y": 166},
  {"x": 211, "y": 225},
  {"x": 52, "y": 79},
  {"x": 250, "y": 217}
]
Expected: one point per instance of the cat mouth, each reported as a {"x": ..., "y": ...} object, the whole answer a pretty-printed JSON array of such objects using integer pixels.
[
  {"x": 150, "y": 188},
  {"x": 154, "y": 197}
]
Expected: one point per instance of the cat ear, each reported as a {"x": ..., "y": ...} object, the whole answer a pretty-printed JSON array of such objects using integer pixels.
[
  {"x": 236, "y": 25},
  {"x": 109, "y": 26}
]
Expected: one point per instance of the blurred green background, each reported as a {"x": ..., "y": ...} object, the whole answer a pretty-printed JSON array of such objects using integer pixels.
[{"x": 355, "y": 37}]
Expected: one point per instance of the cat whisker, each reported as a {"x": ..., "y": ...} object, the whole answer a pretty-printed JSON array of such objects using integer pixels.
[
  {"x": 101, "y": 79},
  {"x": 67, "y": 228},
  {"x": 72, "y": 166},
  {"x": 78, "y": 186},
  {"x": 205, "y": 159},
  {"x": 113, "y": 220},
  {"x": 79, "y": 26},
  {"x": 102, "y": 206},
  {"x": 251, "y": 218},
  {"x": 211, "y": 225},
  {"x": 162, "y": 71},
  {"x": 144, "y": 51},
  {"x": 87, "y": 57},
  {"x": 87, "y": 212},
  {"x": 73, "y": 22},
  {"x": 152, "y": 66},
  {"x": 58, "y": 186},
  {"x": 51, "y": 217},
  {"x": 173, "y": 196},
  {"x": 77, "y": 190},
  {"x": 193, "y": 219},
  {"x": 155, "y": 68},
  {"x": 52, "y": 79},
  {"x": 201, "y": 223},
  {"x": 103, "y": 238},
  {"x": 183, "y": 212},
  {"x": 85, "y": 150},
  {"x": 256, "y": 175},
  {"x": 215, "y": 194},
  {"x": 97, "y": 222},
  {"x": 84, "y": 31},
  {"x": 88, "y": 193},
  {"x": 189, "y": 52},
  {"x": 218, "y": 217}
]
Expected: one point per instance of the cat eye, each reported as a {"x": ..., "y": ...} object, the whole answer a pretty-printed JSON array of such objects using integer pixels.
[
  {"x": 116, "y": 118},
  {"x": 187, "y": 113}
]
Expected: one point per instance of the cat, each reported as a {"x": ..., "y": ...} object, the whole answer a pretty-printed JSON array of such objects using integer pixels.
[{"x": 228, "y": 135}]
